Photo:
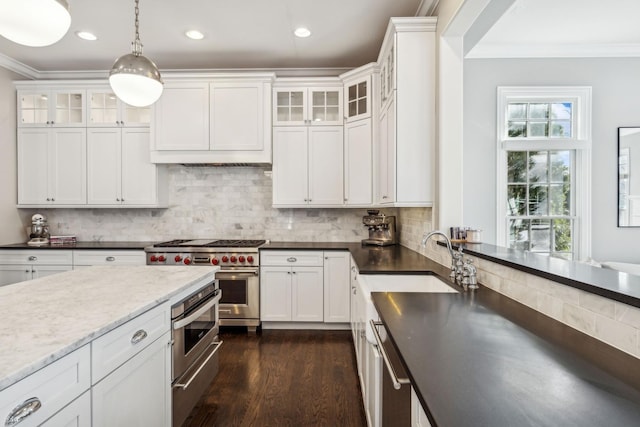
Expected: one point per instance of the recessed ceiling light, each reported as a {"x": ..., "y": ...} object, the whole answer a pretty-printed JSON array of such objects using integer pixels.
[
  {"x": 194, "y": 35},
  {"x": 302, "y": 32},
  {"x": 86, "y": 35}
]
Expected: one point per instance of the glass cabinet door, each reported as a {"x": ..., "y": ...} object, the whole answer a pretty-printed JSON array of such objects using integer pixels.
[
  {"x": 358, "y": 96},
  {"x": 69, "y": 108},
  {"x": 325, "y": 106},
  {"x": 33, "y": 109},
  {"x": 61, "y": 108},
  {"x": 106, "y": 110},
  {"x": 290, "y": 106},
  {"x": 301, "y": 106}
]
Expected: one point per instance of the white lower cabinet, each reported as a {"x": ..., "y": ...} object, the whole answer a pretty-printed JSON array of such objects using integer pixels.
[
  {"x": 418, "y": 415},
  {"x": 138, "y": 392},
  {"x": 89, "y": 257},
  {"x": 305, "y": 286},
  {"x": 20, "y": 265},
  {"x": 42, "y": 394}
]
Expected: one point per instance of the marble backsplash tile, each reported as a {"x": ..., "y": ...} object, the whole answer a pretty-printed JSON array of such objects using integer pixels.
[{"x": 221, "y": 202}]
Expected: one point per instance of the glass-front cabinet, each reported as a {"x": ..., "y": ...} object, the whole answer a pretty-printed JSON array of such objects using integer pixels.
[
  {"x": 296, "y": 106},
  {"x": 104, "y": 109},
  {"x": 357, "y": 98},
  {"x": 54, "y": 108}
]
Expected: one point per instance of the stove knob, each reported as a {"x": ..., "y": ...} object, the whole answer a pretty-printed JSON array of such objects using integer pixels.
[
  {"x": 215, "y": 261},
  {"x": 178, "y": 258},
  {"x": 225, "y": 259},
  {"x": 250, "y": 259},
  {"x": 187, "y": 261},
  {"x": 233, "y": 259},
  {"x": 161, "y": 258},
  {"x": 241, "y": 258},
  {"x": 153, "y": 258}
]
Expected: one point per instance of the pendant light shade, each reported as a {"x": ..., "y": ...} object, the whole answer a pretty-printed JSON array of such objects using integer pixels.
[
  {"x": 134, "y": 78},
  {"x": 34, "y": 23}
]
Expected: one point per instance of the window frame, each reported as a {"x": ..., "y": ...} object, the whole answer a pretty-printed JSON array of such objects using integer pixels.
[{"x": 580, "y": 142}]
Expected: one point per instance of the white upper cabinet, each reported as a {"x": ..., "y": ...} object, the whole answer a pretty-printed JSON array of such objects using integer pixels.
[
  {"x": 51, "y": 107},
  {"x": 358, "y": 175},
  {"x": 217, "y": 119},
  {"x": 104, "y": 109},
  {"x": 52, "y": 167},
  {"x": 358, "y": 93},
  {"x": 307, "y": 105},
  {"x": 405, "y": 168},
  {"x": 181, "y": 117}
]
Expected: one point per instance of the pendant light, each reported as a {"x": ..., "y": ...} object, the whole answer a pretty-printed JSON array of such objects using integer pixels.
[
  {"x": 34, "y": 23},
  {"x": 134, "y": 78}
]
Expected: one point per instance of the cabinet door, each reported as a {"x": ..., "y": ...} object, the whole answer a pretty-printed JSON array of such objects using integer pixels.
[
  {"x": 138, "y": 393},
  {"x": 67, "y": 108},
  {"x": 237, "y": 116},
  {"x": 326, "y": 179},
  {"x": 139, "y": 175},
  {"x": 289, "y": 106},
  {"x": 181, "y": 117},
  {"x": 324, "y": 106},
  {"x": 290, "y": 169},
  {"x": 337, "y": 287},
  {"x": 104, "y": 109},
  {"x": 387, "y": 156},
  {"x": 33, "y": 108},
  {"x": 103, "y": 166},
  {"x": 275, "y": 293},
  {"x": 353, "y": 274},
  {"x": 307, "y": 294},
  {"x": 75, "y": 414},
  {"x": 33, "y": 166},
  {"x": 373, "y": 384},
  {"x": 68, "y": 166},
  {"x": 10, "y": 274},
  {"x": 358, "y": 163},
  {"x": 357, "y": 99}
]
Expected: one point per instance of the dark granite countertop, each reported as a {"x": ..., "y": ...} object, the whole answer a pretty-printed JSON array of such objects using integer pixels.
[
  {"x": 485, "y": 360},
  {"x": 85, "y": 245},
  {"x": 394, "y": 259},
  {"x": 605, "y": 282}
]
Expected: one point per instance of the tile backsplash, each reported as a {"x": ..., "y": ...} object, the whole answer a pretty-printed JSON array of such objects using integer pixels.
[{"x": 221, "y": 202}]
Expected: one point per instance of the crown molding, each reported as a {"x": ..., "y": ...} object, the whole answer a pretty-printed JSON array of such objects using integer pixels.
[
  {"x": 18, "y": 67},
  {"x": 567, "y": 50},
  {"x": 427, "y": 8}
]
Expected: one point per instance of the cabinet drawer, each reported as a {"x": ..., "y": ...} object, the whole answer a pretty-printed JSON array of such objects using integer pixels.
[
  {"x": 36, "y": 257},
  {"x": 108, "y": 258},
  {"x": 76, "y": 414},
  {"x": 54, "y": 386},
  {"x": 292, "y": 258},
  {"x": 116, "y": 347}
]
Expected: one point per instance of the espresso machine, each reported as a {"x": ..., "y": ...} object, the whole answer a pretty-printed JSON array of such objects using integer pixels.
[
  {"x": 39, "y": 233},
  {"x": 382, "y": 229}
]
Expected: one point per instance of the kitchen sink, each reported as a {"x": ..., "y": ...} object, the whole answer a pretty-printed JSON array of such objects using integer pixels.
[{"x": 395, "y": 283}]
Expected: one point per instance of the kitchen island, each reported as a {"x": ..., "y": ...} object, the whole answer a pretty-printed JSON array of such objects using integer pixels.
[
  {"x": 483, "y": 359},
  {"x": 52, "y": 320}
]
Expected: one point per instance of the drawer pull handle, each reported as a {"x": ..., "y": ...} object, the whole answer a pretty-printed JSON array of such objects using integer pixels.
[
  {"x": 110, "y": 258},
  {"x": 292, "y": 259},
  {"x": 22, "y": 411},
  {"x": 33, "y": 258},
  {"x": 138, "y": 336}
]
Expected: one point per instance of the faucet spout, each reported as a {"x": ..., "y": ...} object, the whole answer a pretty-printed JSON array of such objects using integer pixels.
[{"x": 438, "y": 233}]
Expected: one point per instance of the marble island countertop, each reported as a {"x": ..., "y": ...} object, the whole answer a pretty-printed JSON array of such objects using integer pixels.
[{"x": 47, "y": 318}]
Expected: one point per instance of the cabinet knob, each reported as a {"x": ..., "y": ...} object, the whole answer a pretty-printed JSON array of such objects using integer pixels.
[
  {"x": 48, "y": 199},
  {"x": 22, "y": 411},
  {"x": 117, "y": 200},
  {"x": 110, "y": 258},
  {"x": 138, "y": 336},
  {"x": 33, "y": 258},
  {"x": 53, "y": 200},
  {"x": 346, "y": 199},
  {"x": 292, "y": 259}
]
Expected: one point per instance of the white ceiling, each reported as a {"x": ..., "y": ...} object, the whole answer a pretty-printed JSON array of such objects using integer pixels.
[
  {"x": 563, "y": 28},
  {"x": 238, "y": 34}
]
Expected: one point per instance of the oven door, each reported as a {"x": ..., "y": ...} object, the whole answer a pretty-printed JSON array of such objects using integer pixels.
[
  {"x": 240, "y": 295},
  {"x": 194, "y": 332}
]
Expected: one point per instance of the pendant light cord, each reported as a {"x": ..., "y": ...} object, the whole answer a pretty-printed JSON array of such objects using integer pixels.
[{"x": 136, "y": 45}]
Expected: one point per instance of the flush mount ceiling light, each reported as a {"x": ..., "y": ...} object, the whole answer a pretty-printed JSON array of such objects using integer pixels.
[
  {"x": 134, "y": 78},
  {"x": 302, "y": 32},
  {"x": 34, "y": 23},
  {"x": 194, "y": 35},
  {"x": 86, "y": 35}
]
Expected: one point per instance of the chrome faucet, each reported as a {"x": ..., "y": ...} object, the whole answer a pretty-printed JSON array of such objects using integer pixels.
[{"x": 463, "y": 272}]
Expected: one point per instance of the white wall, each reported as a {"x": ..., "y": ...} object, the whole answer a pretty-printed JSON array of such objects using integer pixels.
[
  {"x": 10, "y": 224},
  {"x": 616, "y": 102}
]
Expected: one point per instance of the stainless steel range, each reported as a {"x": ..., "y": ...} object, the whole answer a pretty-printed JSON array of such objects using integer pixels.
[{"x": 239, "y": 262}]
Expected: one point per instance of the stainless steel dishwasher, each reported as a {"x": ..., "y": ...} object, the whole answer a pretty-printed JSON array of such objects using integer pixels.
[{"x": 396, "y": 387}]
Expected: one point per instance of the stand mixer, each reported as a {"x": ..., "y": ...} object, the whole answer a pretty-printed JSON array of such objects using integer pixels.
[
  {"x": 39, "y": 231},
  {"x": 382, "y": 229}
]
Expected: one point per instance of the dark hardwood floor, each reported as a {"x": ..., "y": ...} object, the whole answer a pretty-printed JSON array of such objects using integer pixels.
[{"x": 283, "y": 378}]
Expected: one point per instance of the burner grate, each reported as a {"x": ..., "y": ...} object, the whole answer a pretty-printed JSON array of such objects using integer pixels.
[{"x": 234, "y": 243}]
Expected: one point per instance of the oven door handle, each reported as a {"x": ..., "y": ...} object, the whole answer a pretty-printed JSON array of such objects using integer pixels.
[
  {"x": 199, "y": 312},
  {"x": 241, "y": 273},
  {"x": 186, "y": 384}
]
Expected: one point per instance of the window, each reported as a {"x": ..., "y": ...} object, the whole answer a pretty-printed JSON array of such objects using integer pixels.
[{"x": 543, "y": 161}]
